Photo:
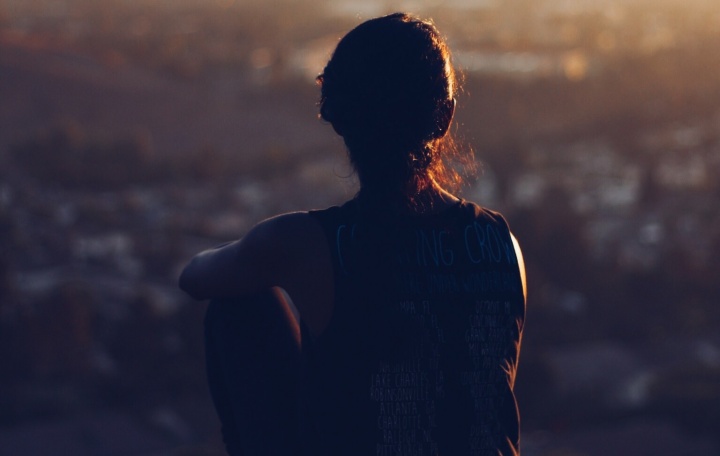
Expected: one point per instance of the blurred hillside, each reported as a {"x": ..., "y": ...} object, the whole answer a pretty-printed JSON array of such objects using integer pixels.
[{"x": 136, "y": 133}]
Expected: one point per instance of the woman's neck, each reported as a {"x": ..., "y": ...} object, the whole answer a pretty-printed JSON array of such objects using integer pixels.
[
  {"x": 432, "y": 199},
  {"x": 437, "y": 199}
]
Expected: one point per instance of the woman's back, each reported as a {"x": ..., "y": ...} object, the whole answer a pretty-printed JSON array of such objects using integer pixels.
[
  {"x": 412, "y": 301},
  {"x": 420, "y": 355}
]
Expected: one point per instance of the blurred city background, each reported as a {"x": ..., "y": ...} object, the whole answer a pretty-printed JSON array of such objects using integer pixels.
[{"x": 134, "y": 133}]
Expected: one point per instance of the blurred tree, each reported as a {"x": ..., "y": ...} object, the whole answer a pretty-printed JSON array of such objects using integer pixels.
[
  {"x": 60, "y": 332},
  {"x": 66, "y": 156}
]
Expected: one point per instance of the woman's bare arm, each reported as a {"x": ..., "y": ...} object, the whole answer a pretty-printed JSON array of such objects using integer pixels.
[
  {"x": 287, "y": 251},
  {"x": 521, "y": 264},
  {"x": 210, "y": 273}
]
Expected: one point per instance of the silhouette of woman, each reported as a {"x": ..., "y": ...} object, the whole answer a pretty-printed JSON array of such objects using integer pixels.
[{"x": 390, "y": 325}]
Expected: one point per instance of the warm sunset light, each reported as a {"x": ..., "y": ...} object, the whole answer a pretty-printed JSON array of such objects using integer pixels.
[{"x": 134, "y": 133}]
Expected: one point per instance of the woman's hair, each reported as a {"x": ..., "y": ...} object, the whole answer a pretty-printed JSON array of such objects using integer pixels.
[{"x": 389, "y": 91}]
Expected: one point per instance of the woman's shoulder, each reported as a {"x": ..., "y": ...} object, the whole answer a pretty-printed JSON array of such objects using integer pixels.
[
  {"x": 292, "y": 249},
  {"x": 284, "y": 222},
  {"x": 290, "y": 229},
  {"x": 476, "y": 211}
]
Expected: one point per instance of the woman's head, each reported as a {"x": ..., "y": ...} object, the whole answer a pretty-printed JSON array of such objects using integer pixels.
[{"x": 389, "y": 91}]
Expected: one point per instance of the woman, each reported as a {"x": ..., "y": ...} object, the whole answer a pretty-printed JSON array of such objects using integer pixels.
[{"x": 408, "y": 302}]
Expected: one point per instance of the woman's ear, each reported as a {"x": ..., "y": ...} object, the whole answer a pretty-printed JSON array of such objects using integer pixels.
[{"x": 445, "y": 117}]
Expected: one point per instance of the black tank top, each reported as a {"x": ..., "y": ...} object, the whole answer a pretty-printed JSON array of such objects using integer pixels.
[{"x": 420, "y": 356}]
